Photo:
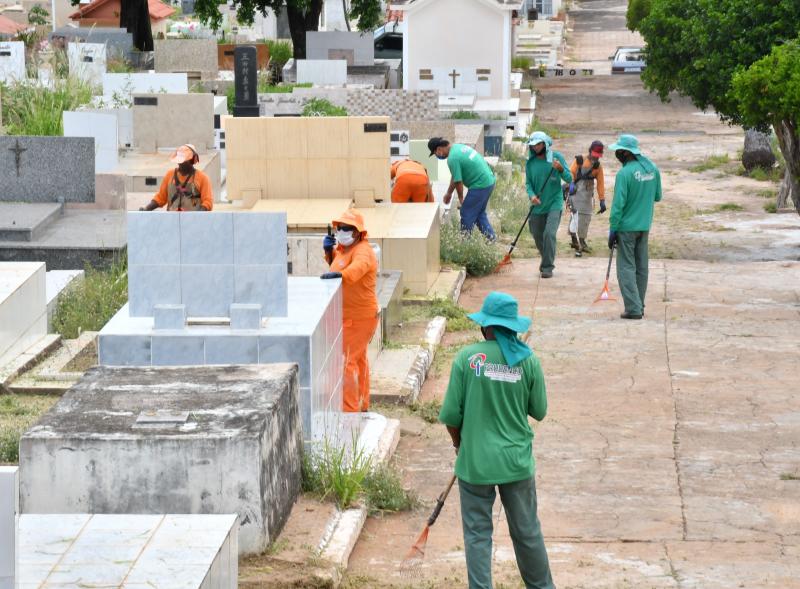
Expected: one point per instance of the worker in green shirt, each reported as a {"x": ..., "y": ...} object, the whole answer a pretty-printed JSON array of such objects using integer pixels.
[
  {"x": 467, "y": 168},
  {"x": 637, "y": 188},
  {"x": 544, "y": 171},
  {"x": 495, "y": 385}
]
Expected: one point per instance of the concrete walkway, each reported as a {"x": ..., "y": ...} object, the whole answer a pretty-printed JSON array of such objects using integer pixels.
[{"x": 663, "y": 458}]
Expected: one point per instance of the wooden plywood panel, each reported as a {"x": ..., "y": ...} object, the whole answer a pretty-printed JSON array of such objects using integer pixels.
[
  {"x": 371, "y": 174},
  {"x": 245, "y": 138},
  {"x": 286, "y": 138},
  {"x": 287, "y": 178},
  {"x": 365, "y": 144},
  {"x": 327, "y": 137},
  {"x": 246, "y": 174},
  {"x": 328, "y": 178}
]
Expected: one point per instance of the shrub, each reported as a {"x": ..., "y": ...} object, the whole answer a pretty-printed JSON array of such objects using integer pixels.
[
  {"x": 464, "y": 114},
  {"x": 469, "y": 249},
  {"x": 33, "y": 109},
  {"x": 93, "y": 301},
  {"x": 384, "y": 492},
  {"x": 320, "y": 107},
  {"x": 279, "y": 52}
]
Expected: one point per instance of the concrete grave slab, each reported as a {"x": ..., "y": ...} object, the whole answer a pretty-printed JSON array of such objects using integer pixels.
[
  {"x": 125, "y": 85},
  {"x": 157, "y": 124},
  {"x": 322, "y": 72},
  {"x": 46, "y": 169},
  {"x": 23, "y": 307},
  {"x": 355, "y": 47},
  {"x": 12, "y": 61},
  {"x": 58, "y": 282},
  {"x": 105, "y": 130},
  {"x": 83, "y": 550},
  {"x": 26, "y": 221},
  {"x": 245, "y": 418},
  {"x": 87, "y": 61},
  {"x": 196, "y": 56}
]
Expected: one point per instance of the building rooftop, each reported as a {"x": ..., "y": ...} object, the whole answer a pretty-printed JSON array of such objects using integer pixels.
[{"x": 158, "y": 10}]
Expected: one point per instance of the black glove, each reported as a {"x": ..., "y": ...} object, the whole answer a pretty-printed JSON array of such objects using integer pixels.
[
  {"x": 596, "y": 165},
  {"x": 579, "y": 160},
  {"x": 328, "y": 243},
  {"x": 612, "y": 239},
  {"x": 602, "y": 207},
  {"x": 330, "y": 275}
]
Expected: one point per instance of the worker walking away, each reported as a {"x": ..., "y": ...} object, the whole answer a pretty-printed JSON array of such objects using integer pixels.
[
  {"x": 467, "y": 168},
  {"x": 184, "y": 188},
  {"x": 544, "y": 171},
  {"x": 586, "y": 172},
  {"x": 351, "y": 258},
  {"x": 637, "y": 188},
  {"x": 495, "y": 385},
  {"x": 411, "y": 182}
]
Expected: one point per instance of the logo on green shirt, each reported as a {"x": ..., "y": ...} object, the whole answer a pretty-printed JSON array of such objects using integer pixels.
[
  {"x": 644, "y": 177},
  {"x": 495, "y": 372},
  {"x": 476, "y": 362}
]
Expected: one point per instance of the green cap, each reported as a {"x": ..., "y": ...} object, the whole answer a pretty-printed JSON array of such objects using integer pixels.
[
  {"x": 628, "y": 143},
  {"x": 501, "y": 309}
]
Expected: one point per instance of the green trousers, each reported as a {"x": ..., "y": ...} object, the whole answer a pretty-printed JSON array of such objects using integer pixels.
[
  {"x": 632, "y": 262},
  {"x": 544, "y": 228},
  {"x": 519, "y": 502}
]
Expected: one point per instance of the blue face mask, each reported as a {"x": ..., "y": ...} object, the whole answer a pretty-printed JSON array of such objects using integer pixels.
[{"x": 440, "y": 157}]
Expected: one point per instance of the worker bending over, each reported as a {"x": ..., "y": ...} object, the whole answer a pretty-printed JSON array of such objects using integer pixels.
[
  {"x": 411, "y": 182},
  {"x": 351, "y": 258},
  {"x": 184, "y": 188},
  {"x": 586, "y": 172}
]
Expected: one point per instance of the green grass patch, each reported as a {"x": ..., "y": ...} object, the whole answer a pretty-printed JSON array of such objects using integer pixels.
[
  {"x": 17, "y": 414},
  {"x": 89, "y": 305},
  {"x": 336, "y": 472},
  {"x": 32, "y": 109},
  {"x": 428, "y": 411},
  {"x": 464, "y": 114},
  {"x": 767, "y": 193},
  {"x": 711, "y": 162},
  {"x": 264, "y": 87},
  {"x": 468, "y": 249},
  {"x": 321, "y": 107},
  {"x": 787, "y": 476},
  {"x": 384, "y": 492},
  {"x": 553, "y": 132},
  {"x": 728, "y": 206},
  {"x": 279, "y": 52},
  {"x": 770, "y": 207},
  {"x": 456, "y": 316},
  {"x": 521, "y": 62}
]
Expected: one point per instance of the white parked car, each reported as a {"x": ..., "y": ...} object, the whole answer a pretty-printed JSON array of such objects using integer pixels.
[{"x": 628, "y": 60}]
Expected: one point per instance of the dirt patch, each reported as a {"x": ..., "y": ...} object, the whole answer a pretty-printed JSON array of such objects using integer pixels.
[{"x": 84, "y": 360}]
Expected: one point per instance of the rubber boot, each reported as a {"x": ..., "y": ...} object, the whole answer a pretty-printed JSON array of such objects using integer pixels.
[
  {"x": 575, "y": 245},
  {"x": 585, "y": 249}
]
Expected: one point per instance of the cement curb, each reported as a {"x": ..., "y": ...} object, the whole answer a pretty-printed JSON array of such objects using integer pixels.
[
  {"x": 27, "y": 359},
  {"x": 422, "y": 363}
]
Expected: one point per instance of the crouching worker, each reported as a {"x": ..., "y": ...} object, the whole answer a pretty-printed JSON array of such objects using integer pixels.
[
  {"x": 351, "y": 258},
  {"x": 184, "y": 188},
  {"x": 494, "y": 386},
  {"x": 411, "y": 182}
]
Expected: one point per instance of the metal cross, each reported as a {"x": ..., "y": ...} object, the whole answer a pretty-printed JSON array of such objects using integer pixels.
[
  {"x": 454, "y": 75},
  {"x": 17, "y": 153}
]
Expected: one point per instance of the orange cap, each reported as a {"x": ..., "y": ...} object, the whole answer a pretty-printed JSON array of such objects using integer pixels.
[
  {"x": 185, "y": 153},
  {"x": 350, "y": 217}
]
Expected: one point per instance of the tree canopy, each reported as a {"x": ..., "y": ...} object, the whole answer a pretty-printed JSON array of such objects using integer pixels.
[{"x": 637, "y": 10}]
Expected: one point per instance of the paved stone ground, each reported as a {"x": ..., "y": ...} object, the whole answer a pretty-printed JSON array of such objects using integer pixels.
[{"x": 669, "y": 458}]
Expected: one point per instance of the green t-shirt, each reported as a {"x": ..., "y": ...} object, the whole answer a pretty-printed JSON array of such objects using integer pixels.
[
  {"x": 637, "y": 188},
  {"x": 468, "y": 166},
  {"x": 537, "y": 171},
  {"x": 490, "y": 402}
]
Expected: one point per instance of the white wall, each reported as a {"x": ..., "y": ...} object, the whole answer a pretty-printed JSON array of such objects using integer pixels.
[{"x": 460, "y": 34}]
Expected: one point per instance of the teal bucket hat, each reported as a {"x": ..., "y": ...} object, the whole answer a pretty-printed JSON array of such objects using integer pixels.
[
  {"x": 501, "y": 309},
  {"x": 628, "y": 143},
  {"x": 540, "y": 137}
]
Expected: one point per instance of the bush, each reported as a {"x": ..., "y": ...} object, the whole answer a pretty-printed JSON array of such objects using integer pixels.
[
  {"x": 521, "y": 62},
  {"x": 320, "y": 107},
  {"x": 279, "y": 52},
  {"x": 336, "y": 472},
  {"x": 93, "y": 301},
  {"x": 471, "y": 249},
  {"x": 31, "y": 109},
  {"x": 384, "y": 492},
  {"x": 464, "y": 114}
]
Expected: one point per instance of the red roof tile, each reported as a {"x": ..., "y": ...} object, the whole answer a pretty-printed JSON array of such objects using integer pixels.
[
  {"x": 158, "y": 10},
  {"x": 9, "y": 27}
]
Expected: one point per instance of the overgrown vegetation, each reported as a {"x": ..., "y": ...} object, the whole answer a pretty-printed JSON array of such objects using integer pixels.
[
  {"x": 509, "y": 203},
  {"x": 17, "y": 414},
  {"x": 456, "y": 315},
  {"x": 119, "y": 66},
  {"x": 428, "y": 411},
  {"x": 321, "y": 107},
  {"x": 279, "y": 52},
  {"x": 710, "y": 163},
  {"x": 770, "y": 207},
  {"x": 521, "y": 62},
  {"x": 89, "y": 305},
  {"x": 728, "y": 206},
  {"x": 513, "y": 156},
  {"x": 464, "y": 115},
  {"x": 33, "y": 109},
  {"x": 468, "y": 249},
  {"x": 553, "y": 132},
  {"x": 384, "y": 492},
  {"x": 336, "y": 472}
]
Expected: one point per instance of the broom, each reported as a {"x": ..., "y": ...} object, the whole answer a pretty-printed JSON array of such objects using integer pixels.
[
  {"x": 605, "y": 294},
  {"x": 507, "y": 258},
  {"x": 417, "y": 552}
]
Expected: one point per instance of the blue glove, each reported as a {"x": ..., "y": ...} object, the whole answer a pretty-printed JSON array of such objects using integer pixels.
[
  {"x": 602, "y": 207},
  {"x": 330, "y": 275},
  {"x": 328, "y": 243},
  {"x": 572, "y": 187},
  {"x": 612, "y": 239}
]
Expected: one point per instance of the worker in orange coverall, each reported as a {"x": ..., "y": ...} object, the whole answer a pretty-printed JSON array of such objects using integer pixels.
[
  {"x": 411, "y": 182},
  {"x": 351, "y": 259}
]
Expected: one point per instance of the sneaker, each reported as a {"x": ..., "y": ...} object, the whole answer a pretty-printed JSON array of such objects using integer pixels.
[
  {"x": 547, "y": 274},
  {"x": 630, "y": 316},
  {"x": 578, "y": 254}
]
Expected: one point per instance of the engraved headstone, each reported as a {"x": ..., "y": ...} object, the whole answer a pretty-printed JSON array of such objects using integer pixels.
[
  {"x": 245, "y": 70},
  {"x": 87, "y": 61},
  {"x": 12, "y": 61}
]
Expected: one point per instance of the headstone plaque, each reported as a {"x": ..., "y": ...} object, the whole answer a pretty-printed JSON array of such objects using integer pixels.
[
  {"x": 12, "y": 61},
  {"x": 87, "y": 61},
  {"x": 245, "y": 69}
]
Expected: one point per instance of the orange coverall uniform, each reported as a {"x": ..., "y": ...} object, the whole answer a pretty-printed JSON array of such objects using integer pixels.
[
  {"x": 200, "y": 183},
  {"x": 412, "y": 183},
  {"x": 359, "y": 269}
]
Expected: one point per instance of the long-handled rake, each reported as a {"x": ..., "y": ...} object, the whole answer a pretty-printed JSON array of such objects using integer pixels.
[
  {"x": 417, "y": 552},
  {"x": 507, "y": 258},
  {"x": 605, "y": 294}
]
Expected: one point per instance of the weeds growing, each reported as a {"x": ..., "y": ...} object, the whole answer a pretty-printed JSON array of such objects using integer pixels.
[
  {"x": 771, "y": 207},
  {"x": 553, "y": 132},
  {"x": 336, "y": 472},
  {"x": 710, "y": 163},
  {"x": 428, "y": 411},
  {"x": 468, "y": 249},
  {"x": 33, "y": 109},
  {"x": 17, "y": 414},
  {"x": 384, "y": 492},
  {"x": 728, "y": 206},
  {"x": 321, "y": 107}
]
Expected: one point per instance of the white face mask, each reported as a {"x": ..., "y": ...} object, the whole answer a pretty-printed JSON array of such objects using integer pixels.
[{"x": 345, "y": 238}]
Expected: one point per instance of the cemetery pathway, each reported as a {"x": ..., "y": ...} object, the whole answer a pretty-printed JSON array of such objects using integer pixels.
[{"x": 669, "y": 455}]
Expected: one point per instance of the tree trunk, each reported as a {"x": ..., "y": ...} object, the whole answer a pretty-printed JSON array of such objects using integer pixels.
[
  {"x": 134, "y": 16},
  {"x": 789, "y": 141},
  {"x": 300, "y": 21}
]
